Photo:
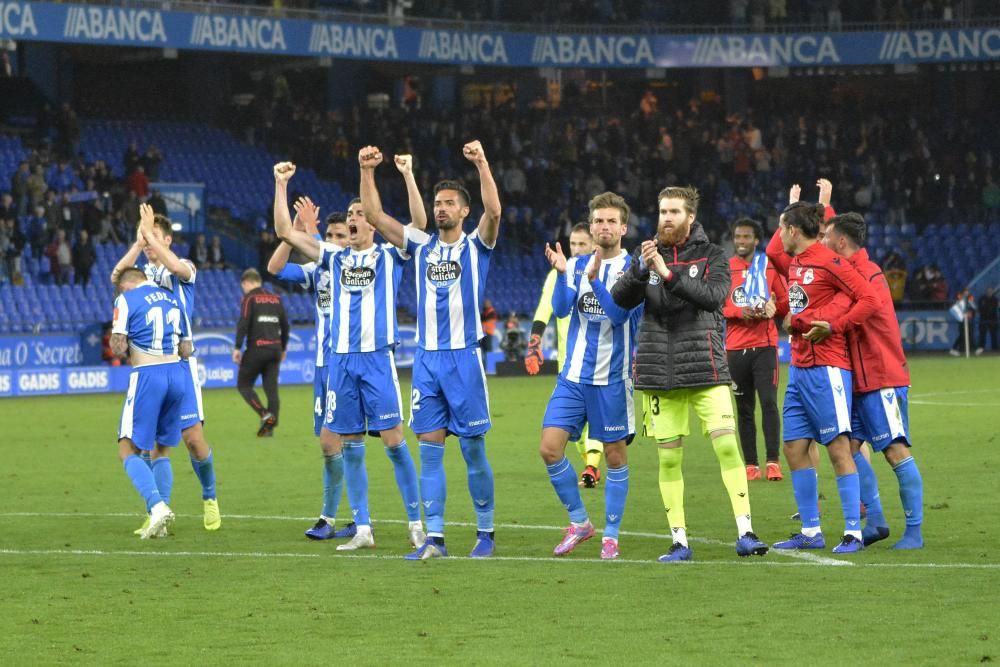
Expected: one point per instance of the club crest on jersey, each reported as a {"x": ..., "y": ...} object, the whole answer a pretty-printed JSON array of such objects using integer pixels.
[
  {"x": 654, "y": 278},
  {"x": 807, "y": 277},
  {"x": 355, "y": 279},
  {"x": 444, "y": 274},
  {"x": 740, "y": 297},
  {"x": 798, "y": 299},
  {"x": 693, "y": 271},
  {"x": 590, "y": 308}
]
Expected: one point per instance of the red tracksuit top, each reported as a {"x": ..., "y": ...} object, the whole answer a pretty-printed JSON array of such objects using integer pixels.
[
  {"x": 876, "y": 347},
  {"x": 815, "y": 277},
  {"x": 744, "y": 334}
]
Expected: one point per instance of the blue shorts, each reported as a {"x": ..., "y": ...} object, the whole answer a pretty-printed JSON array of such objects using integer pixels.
[
  {"x": 319, "y": 398},
  {"x": 881, "y": 418},
  {"x": 362, "y": 393},
  {"x": 192, "y": 409},
  {"x": 152, "y": 409},
  {"x": 817, "y": 404},
  {"x": 449, "y": 392},
  {"x": 608, "y": 409}
]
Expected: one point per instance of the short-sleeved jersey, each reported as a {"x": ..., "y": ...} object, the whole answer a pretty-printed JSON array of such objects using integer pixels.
[
  {"x": 451, "y": 281},
  {"x": 314, "y": 277},
  {"x": 183, "y": 289},
  {"x": 744, "y": 334},
  {"x": 818, "y": 278},
  {"x": 152, "y": 318},
  {"x": 363, "y": 287},
  {"x": 598, "y": 349}
]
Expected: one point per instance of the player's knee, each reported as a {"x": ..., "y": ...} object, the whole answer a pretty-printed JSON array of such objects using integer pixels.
[
  {"x": 616, "y": 454},
  {"x": 896, "y": 452},
  {"x": 670, "y": 458},
  {"x": 329, "y": 442}
]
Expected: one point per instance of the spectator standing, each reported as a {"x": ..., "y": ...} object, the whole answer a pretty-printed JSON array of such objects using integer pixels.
[
  {"x": 138, "y": 183},
  {"x": 60, "y": 257},
  {"x": 84, "y": 258},
  {"x": 964, "y": 312},
  {"x": 216, "y": 255},
  {"x": 199, "y": 252},
  {"x": 151, "y": 161}
]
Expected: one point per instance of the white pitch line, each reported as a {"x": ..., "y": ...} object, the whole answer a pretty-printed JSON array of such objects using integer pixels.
[
  {"x": 798, "y": 555},
  {"x": 956, "y": 405},
  {"x": 517, "y": 559}
]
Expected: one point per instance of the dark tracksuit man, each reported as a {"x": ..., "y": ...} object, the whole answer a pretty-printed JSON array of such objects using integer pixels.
[{"x": 264, "y": 326}]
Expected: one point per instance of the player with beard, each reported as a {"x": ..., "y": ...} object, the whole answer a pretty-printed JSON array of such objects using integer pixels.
[
  {"x": 594, "y": 386},
  {"x": 449, "y": 394},
  {"x": 683, "y": 279},
  {"x": 757, "y": 295}
]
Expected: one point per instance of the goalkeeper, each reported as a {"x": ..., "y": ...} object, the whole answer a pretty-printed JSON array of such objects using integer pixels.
[{"x": 580, "y": 243}]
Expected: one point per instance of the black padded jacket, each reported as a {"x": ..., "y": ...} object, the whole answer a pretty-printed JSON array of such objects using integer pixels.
[{"x": 681, "y": 339}]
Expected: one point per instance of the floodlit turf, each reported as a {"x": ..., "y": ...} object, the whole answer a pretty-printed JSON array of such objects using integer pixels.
[{"x": 78, "y": 587}]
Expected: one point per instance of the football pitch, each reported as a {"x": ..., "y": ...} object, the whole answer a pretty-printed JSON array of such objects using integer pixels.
[{"x": 79, "y": 588}]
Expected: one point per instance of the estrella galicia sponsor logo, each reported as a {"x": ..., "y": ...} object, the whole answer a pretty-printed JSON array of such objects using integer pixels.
[
  {"x": 115, "y": 24},
  {"x": 89, "y": 380},
  {"x": 798, "y": 299},
  {"x": 590, "y": 308},
  {"x": 6, "y": 385},
  {"x": 356, "y": 279},
  {"x": 17, "y": 20},
  {"x": 38, "y": 382},
  {"x": 323, "y": 293},
  {"x": 740, "y": 297},
  {"x": 444, "y": 274}
]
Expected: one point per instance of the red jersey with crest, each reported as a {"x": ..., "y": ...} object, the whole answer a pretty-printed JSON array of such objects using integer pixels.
[
  {"x": 816, "y": 276},
  {"x": 743, "y": 334}
]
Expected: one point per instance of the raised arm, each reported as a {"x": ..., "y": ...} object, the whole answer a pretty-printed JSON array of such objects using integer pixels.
[
  {"x": 128, "y": 259},
  {"x": 391, "y": 229},
  {"x": 306, "y": 215},
  {"x": 172, "y": 262},
  {"x": 489, "y": 224},
  {"x": 300, "y": 240},
  {"x": 418, "y": 213}
]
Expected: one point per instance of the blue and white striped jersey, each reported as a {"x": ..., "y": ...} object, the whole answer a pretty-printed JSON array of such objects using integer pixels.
[
  {"x": 601, "y": 334},
  {"x": 451, "y": 280},
  {"x": 363, "y": 287},
  {"x": 315, "y": 278},
  {"x": 182, "y": 289},
  {"x": 152, "y": 319}
]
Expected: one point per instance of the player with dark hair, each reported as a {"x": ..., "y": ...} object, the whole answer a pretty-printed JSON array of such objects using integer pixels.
[
  {"x": 881, "y": 381},
  {"x": 594, "y": 386},
  {"x": 149, "y": 328},
  {"x": 264, "y": 325},
  {"x": 683, "y": 279},
  {"x": 580, "y": 243},
  {"x": 817, "y": 400},
  {"x": 757, "y": 296},
  {"x": 178, "y": 276},
  {"x": 449, "y": 394}
]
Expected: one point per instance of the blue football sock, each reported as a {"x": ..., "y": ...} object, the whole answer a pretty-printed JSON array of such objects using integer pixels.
[
  {"x": 333, "y": 483},
  {"x": 849, "y": 488},
  {"x": 205, "y": 472},
  {"x": 356, "y": 478},
  {"x": 406, "y": 479},
  {"x": 433, "y": 490},
  {"x": 480, "y": 480},
  {"x": 615, "y": 493},
  {"x": 911, "y": 491},
  {"x": 805, "y": 488},
  {"x": 869, "y": 491},
  {"x": 563, "y": 478},
  {"x": 144, "y": 454},
  {"x": 163, "y": 473},
  {"x": 142, "y": 479}
]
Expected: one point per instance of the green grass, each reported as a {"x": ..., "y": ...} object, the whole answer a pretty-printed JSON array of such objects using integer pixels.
[{"x": 79, "y": 588}]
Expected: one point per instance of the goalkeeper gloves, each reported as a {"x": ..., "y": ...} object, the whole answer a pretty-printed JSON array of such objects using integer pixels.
[{"x": 533, "y": 360}]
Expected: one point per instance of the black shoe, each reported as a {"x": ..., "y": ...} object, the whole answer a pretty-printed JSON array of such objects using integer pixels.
[{"x": 267, "y": 422}]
